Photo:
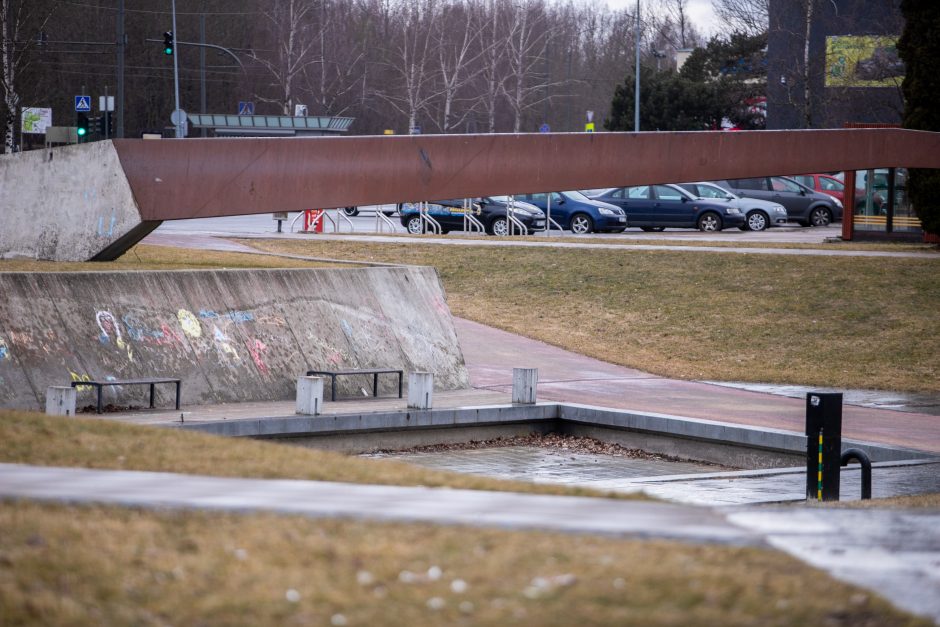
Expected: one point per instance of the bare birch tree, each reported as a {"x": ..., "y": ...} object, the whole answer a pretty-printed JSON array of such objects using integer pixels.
[
  {"x": 459, "y": 51},
  {"x": 295, "y": 46},
  {"x": 15, "y": 15},
  {"x": 750, "y": 17}
]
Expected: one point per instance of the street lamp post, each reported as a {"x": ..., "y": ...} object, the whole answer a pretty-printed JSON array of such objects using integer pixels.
[
  {"x": 636, "y": 92},
  {"x": 176, "y": 78}
]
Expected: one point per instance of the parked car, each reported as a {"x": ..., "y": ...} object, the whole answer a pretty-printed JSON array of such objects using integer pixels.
[
  {"x": 824, "y": 183},
  {"x": 758, "y": 214},
  {"x": 491, "y": 211},
  {"x": 354, "y": 211},
  {"x": 804, "y": 206},
  {"x": 657, "y": 207},
  {"x": 578, "y": 213}
]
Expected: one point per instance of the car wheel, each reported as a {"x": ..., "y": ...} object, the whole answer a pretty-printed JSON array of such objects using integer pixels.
[
  {"x": 351, "y": 211},
  {"x": 820, "y": 216},
  {"x": 414, "y": 226},
  {"x": 653, "y": 229},
  {"x": 709, "y": 221},
  {"x": 499, "y": 227},
  {"x": 757, "y": 221},
  {"x": 581, "y": 224}
]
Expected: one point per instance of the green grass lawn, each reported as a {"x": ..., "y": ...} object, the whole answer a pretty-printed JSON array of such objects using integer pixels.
[{"x": 849, "y": 322}]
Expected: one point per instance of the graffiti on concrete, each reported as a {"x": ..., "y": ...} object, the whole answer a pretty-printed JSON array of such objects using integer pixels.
[
  {"x": 189, "y": 323},
  {"x": 111, "y": 332},
  {"x": 223, "y": 347},
  {"x": 80, "y": 377},
  {"x": 256, "y": 347},
  {"x": 234, "y": 316},
  {"x": 4, "y": 350}
]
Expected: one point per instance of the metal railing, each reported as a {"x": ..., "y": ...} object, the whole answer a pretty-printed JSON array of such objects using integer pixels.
[{"x": 382, "y": 220}]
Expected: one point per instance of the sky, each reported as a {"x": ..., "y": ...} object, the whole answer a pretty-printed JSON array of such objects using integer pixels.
[{"x": 700, "y": 12}]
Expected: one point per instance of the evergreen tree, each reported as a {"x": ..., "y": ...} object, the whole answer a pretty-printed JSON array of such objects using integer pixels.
[
  {"x": 919, "y": 47},
  {"x": 668, "y": 102}
]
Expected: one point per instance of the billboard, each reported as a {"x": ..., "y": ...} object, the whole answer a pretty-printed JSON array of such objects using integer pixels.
[
  {"x": 35, "y": 120},
  {"x": 863, "y": 61}
]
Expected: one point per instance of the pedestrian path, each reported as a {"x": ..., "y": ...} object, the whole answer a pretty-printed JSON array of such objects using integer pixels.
[{"x": 387, "y": 503}]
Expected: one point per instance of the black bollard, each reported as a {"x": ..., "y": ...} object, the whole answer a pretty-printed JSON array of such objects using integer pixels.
[{"x": 823, "y": 445}]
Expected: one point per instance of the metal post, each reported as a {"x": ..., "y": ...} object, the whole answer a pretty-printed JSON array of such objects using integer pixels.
[
  {"x": 548, "y": 215},
  {"x": 823, "y": 445},
  {"x": 202, "y": 67},
  {"x": 121, "y": 46},
  {"x": 176, "y": 73},
  {"x": 863, "y": 459},
  {"x": 636, "y": 92}
]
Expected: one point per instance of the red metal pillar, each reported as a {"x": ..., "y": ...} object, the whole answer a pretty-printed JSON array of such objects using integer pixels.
[{"x": 848, "y": 206}]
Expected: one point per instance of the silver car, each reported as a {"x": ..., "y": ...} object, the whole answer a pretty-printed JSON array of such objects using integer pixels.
[{"x": 758, "y": 214}]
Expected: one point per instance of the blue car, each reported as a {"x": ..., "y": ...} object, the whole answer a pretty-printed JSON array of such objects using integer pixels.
[
  {"x": 656, "y": 207},
  {"x": 578, "y": 213}
]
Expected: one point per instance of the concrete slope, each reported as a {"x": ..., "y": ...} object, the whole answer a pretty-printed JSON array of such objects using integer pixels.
[
  {"x": 67, "y": 204},
  {"x": 231, "y": 335}
]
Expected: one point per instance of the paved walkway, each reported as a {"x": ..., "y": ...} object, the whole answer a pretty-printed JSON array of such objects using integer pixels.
[
  {"x": 564, "y": 376},
  {"x": 388, "y": 503}
]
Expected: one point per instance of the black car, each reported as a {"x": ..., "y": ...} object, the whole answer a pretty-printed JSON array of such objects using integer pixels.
[
  {"x": 490, "y": 211},
  {"x": 657, "y": 207},
  {"x": 805, "y": 206}
]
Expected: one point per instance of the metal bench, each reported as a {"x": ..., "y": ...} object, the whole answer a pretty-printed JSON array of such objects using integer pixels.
[
  {"x": 375, "y": 372},
  {"x": 150, "y": 382}
]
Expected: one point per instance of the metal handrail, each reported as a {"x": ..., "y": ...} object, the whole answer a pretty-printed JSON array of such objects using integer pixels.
[
  {"x": 428, "y": 220},
  {"x": 470, "y": 221},
  {"x": 863, "y": 459}
]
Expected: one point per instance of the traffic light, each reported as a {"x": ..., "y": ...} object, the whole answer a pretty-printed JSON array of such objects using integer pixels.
[
  {"x": 82, "y": 126},
  {"x": 168, "y": 43}
]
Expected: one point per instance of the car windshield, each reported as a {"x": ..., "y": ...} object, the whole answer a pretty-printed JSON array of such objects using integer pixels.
[
  {"x": 713, "y": 191},
  {"x": 578, "y": 196}
]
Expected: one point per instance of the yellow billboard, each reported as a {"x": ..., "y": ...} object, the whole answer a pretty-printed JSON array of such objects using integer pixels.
[{"x": 863, "y": 61}]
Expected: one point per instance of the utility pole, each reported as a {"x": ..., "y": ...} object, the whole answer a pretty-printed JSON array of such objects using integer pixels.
[{"x": 121, "y": 45}]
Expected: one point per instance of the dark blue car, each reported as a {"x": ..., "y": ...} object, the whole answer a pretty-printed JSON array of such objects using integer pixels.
[
  {"x": 657, "y": 207},
  {"x": 578, "y": 213}
]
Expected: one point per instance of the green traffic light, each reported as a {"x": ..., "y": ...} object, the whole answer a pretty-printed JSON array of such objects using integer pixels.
[
  {"x": 81, "y": 131},
  {"x": 168, "y": 51}
]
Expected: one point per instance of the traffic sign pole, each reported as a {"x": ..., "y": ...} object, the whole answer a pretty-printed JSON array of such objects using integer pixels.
[{"x": 176, "y": 79}]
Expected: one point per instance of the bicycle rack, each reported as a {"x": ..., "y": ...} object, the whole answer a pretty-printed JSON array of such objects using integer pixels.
[
  {"x": 320, "y": 218},
  {"x": 512, "y": 220},
  {"x": 552, "y": 225},
  {"x": 342, "y": 214},
  {"x": 470, "y": 222},
  {"x": 294, "y": 221},
  {"x": 428, "y": 221},
  {"x": 382, "y": 220},
  {"x": 862, "y": 457}
]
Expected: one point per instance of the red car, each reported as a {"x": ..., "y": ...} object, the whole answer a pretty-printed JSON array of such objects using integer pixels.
[{"x": 829, "y": 184}]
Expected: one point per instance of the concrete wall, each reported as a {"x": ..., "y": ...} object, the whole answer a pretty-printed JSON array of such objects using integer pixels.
[
  {"x": 231, "y": 335},
  {"x": 64, "y": 204}
]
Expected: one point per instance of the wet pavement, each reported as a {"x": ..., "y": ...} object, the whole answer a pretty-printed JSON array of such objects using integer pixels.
[
  {"x": 564, "y": 376},
  {"x": 893, "y": 552}
]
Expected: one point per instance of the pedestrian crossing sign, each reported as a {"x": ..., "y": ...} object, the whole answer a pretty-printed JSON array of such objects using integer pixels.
[{"x": 83, "y": 103}]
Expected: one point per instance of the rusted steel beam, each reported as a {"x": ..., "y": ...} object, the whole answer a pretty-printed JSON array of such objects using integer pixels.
[{"x": 173, "y": 179}]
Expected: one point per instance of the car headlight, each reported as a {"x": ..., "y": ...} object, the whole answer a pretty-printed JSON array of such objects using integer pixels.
[
  {"x": 522, "y": 211},
  {"x": 837, "y": 202},
  {"x": 732, "y": 211},
  {"x": 780, "y": 209},
  {"x": 604, "y": 211}
]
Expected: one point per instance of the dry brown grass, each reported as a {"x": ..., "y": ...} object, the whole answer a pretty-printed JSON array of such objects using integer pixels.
[
  {"x": 93, "y": 565},
  {"x": 33, "y": 438},
  {"x": 145, "y": 257},
  {"x": 856, "y": 322}
]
